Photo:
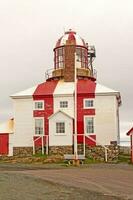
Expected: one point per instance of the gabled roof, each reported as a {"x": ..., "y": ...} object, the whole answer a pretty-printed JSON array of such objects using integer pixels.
[
  {"x": 25, "y": 93},
  {"x": 60, "y": 111},
  {"x": 7, "y": 127},
  {"x": 103, "y": 89},
  {"x": 130, "y": 132},
  {"x": 59, "y": 88}
]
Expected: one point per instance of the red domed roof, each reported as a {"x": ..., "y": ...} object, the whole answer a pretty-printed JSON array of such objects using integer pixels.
[{"x": 70, "y": 36}]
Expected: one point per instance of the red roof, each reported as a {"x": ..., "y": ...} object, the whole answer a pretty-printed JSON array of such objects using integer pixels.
[
  {"x": 130, "y": 132},
  {"x": 71, "y": 36},
  {"x": 46, "y": 88},
  {"x": 86, "y": 87}
]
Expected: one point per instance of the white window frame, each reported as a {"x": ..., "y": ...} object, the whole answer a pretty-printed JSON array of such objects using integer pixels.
[
  {"x": 89, "y": 116},
  {"x": 55, "y": 128},
  {"x": 90, "y": 106},
  {"x": 35, "y": 126},
  {"x": 62, "y": 104},
  {"x": 39, "y": 101}
]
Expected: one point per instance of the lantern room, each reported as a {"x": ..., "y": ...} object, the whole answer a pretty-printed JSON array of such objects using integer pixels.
[
  {"x": 81, "y": 49},
  {"x": 71, "y": 51}
]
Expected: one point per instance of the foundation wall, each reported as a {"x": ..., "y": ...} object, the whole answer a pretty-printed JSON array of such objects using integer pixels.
[{"x": 96, "y": 153}]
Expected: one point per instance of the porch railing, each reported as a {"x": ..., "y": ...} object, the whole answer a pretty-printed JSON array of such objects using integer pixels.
[{"x": 44, "y": 138}]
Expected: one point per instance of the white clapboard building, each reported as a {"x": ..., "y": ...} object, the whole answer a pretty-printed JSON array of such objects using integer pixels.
[{"x": 69, "y": 102}]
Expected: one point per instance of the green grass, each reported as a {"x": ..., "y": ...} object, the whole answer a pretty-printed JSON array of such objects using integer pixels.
[
  {"x": 91, "y": 160},
  {"x": 40, "y": 155},
  {"x": 124, "y": 158}
]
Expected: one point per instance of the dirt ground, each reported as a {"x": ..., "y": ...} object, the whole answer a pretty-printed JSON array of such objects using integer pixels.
[{"x": 56, "y": 182}]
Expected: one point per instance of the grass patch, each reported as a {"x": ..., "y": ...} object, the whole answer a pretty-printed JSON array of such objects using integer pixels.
[
  {"x": 124, "y": 158},
  {"x": 91, "y": 161},
  {"x": 40, "y": 155}
]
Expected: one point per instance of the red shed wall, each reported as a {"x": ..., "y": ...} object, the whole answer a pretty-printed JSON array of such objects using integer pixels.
[{"x": 4, "y": 144}]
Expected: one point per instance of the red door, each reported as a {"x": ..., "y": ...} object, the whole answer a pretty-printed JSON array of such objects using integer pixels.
[{"x": 4, "y": 141}]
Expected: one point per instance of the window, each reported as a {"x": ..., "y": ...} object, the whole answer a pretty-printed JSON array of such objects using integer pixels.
[
  {"x": 78, "y": 53},
  {"x": 63, "y": 104},
  {"x": 59, "y": 58},
  {"x": 39, "y": 105},
  {"x": 60, "y": 127},
  {"x": 39, "y": 126},
  {"x": 82, "y": 56},
  {"x": 88, "y": 103},
  {"x": 89, "y": 125}
]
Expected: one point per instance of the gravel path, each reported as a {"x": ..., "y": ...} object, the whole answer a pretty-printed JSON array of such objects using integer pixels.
[{"x": 45, "y": 182}]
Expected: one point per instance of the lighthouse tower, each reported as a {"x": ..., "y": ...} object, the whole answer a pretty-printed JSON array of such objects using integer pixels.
[
  {"x": 69, "y": 109},
  {"x": 72, "y": 52},
  {"x": 73, "y": 61}
]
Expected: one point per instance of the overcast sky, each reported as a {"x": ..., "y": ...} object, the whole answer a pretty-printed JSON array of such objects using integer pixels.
[{"x": 30, "y": 28}]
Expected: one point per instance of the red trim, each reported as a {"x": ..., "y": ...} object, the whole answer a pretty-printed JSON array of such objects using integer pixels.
[
  {"x": 4, "y": 144},
  {"x": 38, "y": 141},
  {"x": 130, "y": 132},
  {"x": 89, "y": 141},
  {"x": 58, "y": 42},
  {"x": 131, "y": 148},
  {"x": 71, "y": 37},
  {"x": 45, "y": 92},
  {"x": 85, "y": 89},
  {"x": 68, "y": 45}
]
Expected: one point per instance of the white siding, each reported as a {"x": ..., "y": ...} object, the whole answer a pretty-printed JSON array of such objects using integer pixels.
[
  {"x": 106, "y": 121},
  {"x": 24, "y": 122},
  {"x": 69, "y": 110},
  {"x": 11, "y": 144},
  {"x": 64, "y": 88},
  {"x": 57, "y": 139}
]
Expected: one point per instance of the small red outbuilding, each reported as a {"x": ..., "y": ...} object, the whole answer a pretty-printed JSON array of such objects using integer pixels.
[
  {"x": 130, "y": 133},
  {"x": 5, "y": 129}
]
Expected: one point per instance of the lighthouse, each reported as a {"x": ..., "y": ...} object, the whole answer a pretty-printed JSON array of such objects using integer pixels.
[
  {"x": 72, "y": 62},
  {"x": 70, "y": 112}
]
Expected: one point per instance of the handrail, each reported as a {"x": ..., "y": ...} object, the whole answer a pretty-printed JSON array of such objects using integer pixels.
[
  {"x": 38, "y": 137},
  {"x": 84, "y": 135},
  {"x": 42, "y": 141},
  {"x": 48, "y": 73},
  {"x": 106, "y": 148}
]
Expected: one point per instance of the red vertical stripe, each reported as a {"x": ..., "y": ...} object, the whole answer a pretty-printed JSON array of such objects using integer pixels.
[
  {"x": 131, "y": 147},
  {"x": 85, "y": 89},
  {"x": 45, "y": 92}
]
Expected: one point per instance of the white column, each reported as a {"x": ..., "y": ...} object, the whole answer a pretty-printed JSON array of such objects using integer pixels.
[{"x": 75, "y": 110}]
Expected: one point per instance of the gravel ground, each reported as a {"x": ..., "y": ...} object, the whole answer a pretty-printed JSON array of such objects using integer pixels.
[
  {"x": 57, "y": 182},
  {"x": 24, "y": 187}
]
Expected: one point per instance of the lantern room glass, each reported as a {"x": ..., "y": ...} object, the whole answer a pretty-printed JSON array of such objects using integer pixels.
[
  {"x": 81, "y": 57},
  {"x": 59, "y": 58}
]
